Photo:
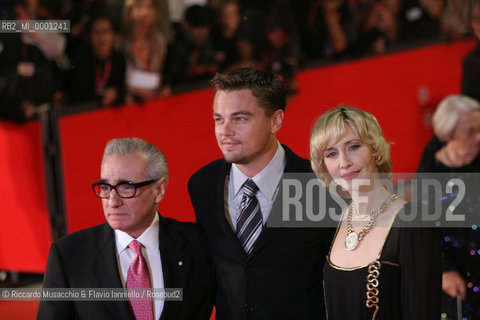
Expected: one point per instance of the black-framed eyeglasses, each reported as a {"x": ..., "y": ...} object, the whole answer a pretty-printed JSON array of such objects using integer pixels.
[{"x": 124, "y": 189}]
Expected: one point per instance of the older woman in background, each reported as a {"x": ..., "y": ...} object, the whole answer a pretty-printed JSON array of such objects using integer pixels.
[
  {"x": 453, "y": 151},
  {"x": 456, "y": 144}
]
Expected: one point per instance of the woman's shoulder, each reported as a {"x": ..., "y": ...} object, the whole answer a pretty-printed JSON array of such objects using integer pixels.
[{"x": 409, "y": 230}]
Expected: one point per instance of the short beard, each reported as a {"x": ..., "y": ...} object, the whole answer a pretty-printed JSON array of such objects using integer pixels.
[{"x": 235, "y": 159}]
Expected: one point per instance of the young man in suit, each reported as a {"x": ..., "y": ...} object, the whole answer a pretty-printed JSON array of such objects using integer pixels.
[
  {"x": 262, "y": 272},
  {"x": 135, "y": 248}
]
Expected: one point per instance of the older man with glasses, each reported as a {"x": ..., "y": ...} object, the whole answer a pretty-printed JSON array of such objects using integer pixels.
[{"x": 136, "y": 248}]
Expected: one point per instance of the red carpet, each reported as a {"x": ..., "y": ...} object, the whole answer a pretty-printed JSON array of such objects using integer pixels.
[{"x": 18, "y": 310}]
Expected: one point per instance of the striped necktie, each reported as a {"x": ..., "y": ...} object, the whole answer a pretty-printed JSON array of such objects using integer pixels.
[{"x": 249, "y": 222}]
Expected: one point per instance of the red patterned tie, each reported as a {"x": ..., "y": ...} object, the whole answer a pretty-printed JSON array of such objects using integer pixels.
[{"x": 139, "y": 277}]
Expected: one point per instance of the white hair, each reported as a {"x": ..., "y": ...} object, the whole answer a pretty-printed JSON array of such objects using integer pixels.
[{"x": 157, "y": 163}]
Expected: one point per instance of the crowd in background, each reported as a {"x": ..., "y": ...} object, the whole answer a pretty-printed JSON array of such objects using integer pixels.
[{"x": 123, "y": 51}]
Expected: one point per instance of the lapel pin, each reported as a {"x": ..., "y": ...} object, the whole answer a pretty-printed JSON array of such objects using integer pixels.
[{"x": 180, "y": 263}]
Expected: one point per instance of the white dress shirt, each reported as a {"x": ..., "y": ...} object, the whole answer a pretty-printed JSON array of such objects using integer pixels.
[
  {"x": 151, "y": 253},
  {"x": 266, "y": 180}
]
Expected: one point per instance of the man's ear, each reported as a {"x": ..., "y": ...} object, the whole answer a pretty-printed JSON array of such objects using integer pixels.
[
  {"x": 276, "y": 121},
  {"x": 161, "y": 186}
]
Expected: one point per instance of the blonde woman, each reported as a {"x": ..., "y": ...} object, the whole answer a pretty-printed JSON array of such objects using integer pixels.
[
  {"x": 373, "y": 270},
  {"x": 145, "y": 49}
]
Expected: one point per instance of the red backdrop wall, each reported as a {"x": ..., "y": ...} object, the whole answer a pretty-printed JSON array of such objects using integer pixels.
[
  {"x": 24, "y": 224},
  {"x": 401, "y": 89}
]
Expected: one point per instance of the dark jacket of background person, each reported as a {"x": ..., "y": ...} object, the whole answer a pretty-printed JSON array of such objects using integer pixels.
[
  {"x": 471, "y": 74},
  {"x": 282, "y": 277},
  {"x": 315, "y": 31},
  {"x": 16, "y": 85},
  {"x": 192, "y": 55},
  {"x": 228, "y": 19},
  {"x": 460, "y": 246},
  {"x": 419, "y": 21},
  {"x": 184, "y": 55},
  {"x": 84, "y": 71},
  {"x": 429, "y": 162}
]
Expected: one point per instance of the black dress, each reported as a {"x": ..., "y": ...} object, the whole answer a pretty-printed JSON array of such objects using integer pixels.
[
  {"x": 460, "y": 246},
  {"x": 430, "y": 164},
  {"x": 409, "y": 280}
]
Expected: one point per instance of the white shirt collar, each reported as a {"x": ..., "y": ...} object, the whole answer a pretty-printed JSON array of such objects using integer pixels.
[
  {"x": 149, "y": 238},
  {"x": 267, "y": 179}
]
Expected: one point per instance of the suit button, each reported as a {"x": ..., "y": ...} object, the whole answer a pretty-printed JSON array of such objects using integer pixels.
[
  {"x": 249, "y": 267},
  {"x": 249, "y": 307}
]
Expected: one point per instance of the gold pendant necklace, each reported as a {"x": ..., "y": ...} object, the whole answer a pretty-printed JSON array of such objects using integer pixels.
[{"x": 352, "y": 240}]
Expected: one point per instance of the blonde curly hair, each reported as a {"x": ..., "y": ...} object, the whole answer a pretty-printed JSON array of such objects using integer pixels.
[{"x": 332, "y": 125}]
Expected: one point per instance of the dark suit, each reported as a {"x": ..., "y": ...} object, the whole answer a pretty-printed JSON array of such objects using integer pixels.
[
  {"x": 87, "y": 259},
  {"x": 282, "y": 277}
]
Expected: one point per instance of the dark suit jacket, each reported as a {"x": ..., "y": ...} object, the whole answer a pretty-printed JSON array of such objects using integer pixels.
[
  {"x": 87, "y": 259},
  {"x": 282, "y": 277},
  {"x": 471, "y": 74}
]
